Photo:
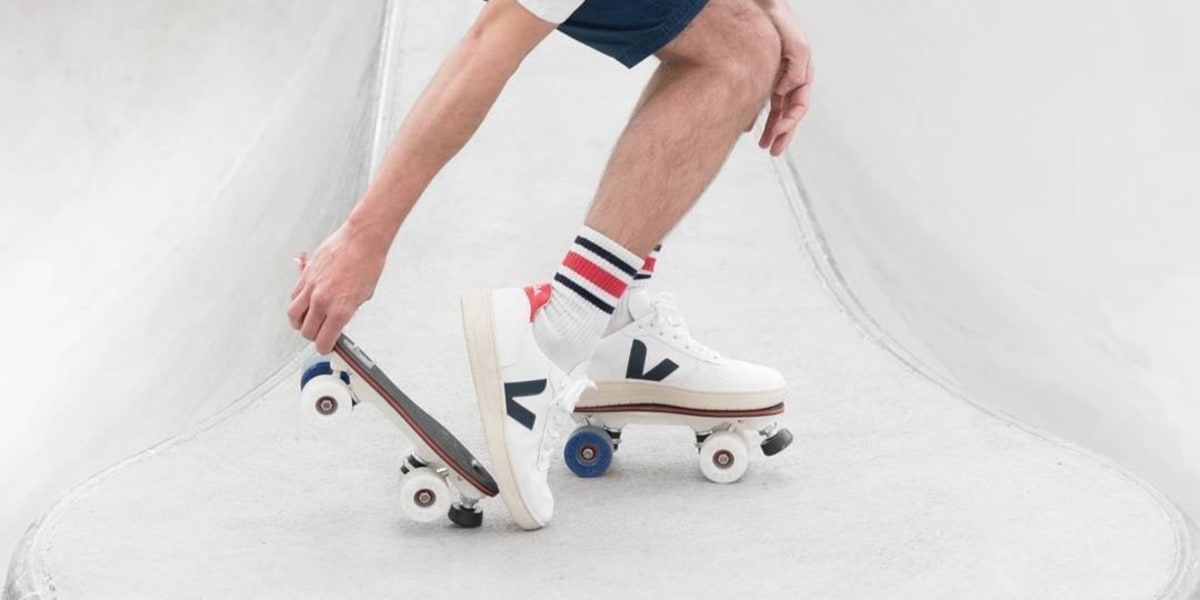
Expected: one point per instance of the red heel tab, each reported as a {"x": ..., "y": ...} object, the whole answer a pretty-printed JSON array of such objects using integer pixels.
[{"x": 538, "y": 296}]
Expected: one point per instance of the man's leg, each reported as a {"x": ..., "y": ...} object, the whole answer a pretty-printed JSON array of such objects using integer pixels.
[
  {"x": 713, "y": 81},
  {"x": 710, "y": 86},
  {"x": 718, "y": 71},
  {"x": 528, "y": 348}
]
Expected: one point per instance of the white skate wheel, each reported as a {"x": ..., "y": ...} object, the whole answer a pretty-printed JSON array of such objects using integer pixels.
[
  {"x": 326, "y": 401},
  {"x": 424, "y": 495},
  {"x": 724, "y": 457}
]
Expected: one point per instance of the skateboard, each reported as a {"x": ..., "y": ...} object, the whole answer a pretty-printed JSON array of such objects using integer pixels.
[
  {"x": 723, "y": 437},
  {"x": 332, "y": 385}
]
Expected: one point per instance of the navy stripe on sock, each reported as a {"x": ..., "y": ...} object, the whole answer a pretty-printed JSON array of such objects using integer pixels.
[
  {"x": 583, "y": 293},
  {"x": 595, "y": 248},
  {"x": 640, "y": 276}
]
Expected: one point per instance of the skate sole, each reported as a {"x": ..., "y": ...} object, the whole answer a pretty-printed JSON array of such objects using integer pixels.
[
  {"x": 686, "y": 411},
  {"x": 480, "y": 333},
  {"x": 655, "y": 397}
]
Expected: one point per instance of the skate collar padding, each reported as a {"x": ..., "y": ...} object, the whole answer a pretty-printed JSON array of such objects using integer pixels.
[{"x": 539, "y": 295}]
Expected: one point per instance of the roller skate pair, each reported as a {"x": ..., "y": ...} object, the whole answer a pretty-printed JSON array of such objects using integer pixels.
[{"x": 651, "y": 371}]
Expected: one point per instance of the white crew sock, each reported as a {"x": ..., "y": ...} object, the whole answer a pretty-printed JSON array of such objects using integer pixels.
[
  {"x": 621, "y": 315},
  {"x": 583, "y": 296}
]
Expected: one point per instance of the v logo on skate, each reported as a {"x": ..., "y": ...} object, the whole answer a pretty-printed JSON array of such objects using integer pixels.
[
  {"x": 520, "y": 389},
  {"x": 637, "y": 365}
]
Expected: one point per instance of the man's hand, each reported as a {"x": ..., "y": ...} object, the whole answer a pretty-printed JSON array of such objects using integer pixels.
[
  {"x": 343, "y": 272},
  {"x": 333, "y": 284},
  {"x": 789, "y": 99}
]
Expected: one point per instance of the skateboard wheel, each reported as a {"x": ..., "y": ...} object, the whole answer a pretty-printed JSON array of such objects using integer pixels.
[
  {"x": 316, "y": 366},
  {"x": 326, "y": 401},
  {"x": 724, "y": 457},
  {"x": 425, "y": 497},
  {"x": 777, "y": 443},
  {"x": 465, "y": 517},
  {"x": 588, "y": 452}
]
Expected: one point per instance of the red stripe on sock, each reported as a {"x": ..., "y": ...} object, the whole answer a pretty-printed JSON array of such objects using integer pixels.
[{"x": 598, "y": 276}]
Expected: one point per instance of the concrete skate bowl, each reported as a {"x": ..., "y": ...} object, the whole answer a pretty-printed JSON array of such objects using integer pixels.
[
  {"x": 284, "y": 131},
  {"x": 162, "y": 162},
  {"x": 1007, "y": 195}
]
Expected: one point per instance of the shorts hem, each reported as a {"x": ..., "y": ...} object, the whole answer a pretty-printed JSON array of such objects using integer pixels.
[{"x": 664, "y": 34}]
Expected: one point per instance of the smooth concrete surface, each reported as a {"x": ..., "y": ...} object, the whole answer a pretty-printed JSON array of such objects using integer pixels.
[
  {"x": 1011, "y": 187},
  {"x": 161, "y": 163},
  {"x": 896, "y": 488}
]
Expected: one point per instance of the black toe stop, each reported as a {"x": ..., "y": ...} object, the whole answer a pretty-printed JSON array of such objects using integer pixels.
[
  {"x": 777, "y": 443},
  {"x": 465, "y": 517}
]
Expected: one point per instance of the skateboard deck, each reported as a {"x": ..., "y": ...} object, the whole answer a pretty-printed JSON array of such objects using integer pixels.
[{"x": 334, "y": 384}]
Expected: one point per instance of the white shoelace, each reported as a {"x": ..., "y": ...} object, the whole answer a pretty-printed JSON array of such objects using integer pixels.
[
  {"x": 561, "y": 409},
  {"x": 669, "y": 322}
]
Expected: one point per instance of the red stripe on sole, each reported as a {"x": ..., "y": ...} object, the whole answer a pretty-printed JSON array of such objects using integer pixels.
[
  {"x": 681, "y": 410},
  {"x": 596, "y": 275}
]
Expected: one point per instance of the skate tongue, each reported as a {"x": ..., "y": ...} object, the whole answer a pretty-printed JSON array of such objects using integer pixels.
[{"x": 639, "y": 304}]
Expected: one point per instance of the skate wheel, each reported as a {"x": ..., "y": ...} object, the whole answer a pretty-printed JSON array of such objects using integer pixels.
[
  {"x": 425, "y": 497},
  {"x": 777, "y": 443},
  {"x": 588, "y": 452},
  {"x": 326, "y": 401},
  {"x": 724, "y": 457},
  {"x": 317, "y": 364},
  {"x": 465, "y": 517}
]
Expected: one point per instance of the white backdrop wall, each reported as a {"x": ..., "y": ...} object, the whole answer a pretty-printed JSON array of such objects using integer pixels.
[
  {"x": 1011, "y": 189},
  {"x": 161, "y": 164},
  {"x": 1007, "y": 186}
]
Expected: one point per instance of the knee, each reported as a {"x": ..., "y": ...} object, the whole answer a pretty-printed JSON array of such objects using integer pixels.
[
  {"x": 749, "y": 56},
  {"x": 758, "y": 57},
  {"x": 738, "y": 48}
]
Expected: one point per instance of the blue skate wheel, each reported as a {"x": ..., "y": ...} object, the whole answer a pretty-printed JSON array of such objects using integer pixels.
[
  {"x": 589, "y": 452},
  {"x": 315, "y": 367},
  {"x": 319, "y": 365},
  {"x": 314, "y": 359}
]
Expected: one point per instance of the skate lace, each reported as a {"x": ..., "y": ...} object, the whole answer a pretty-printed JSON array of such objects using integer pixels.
[
  {"x": 561, "y": 408},
  {"x": 668, "y": 320}
]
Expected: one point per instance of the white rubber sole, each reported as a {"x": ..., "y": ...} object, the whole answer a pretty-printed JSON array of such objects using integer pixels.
[{"x": 480, "y": 333}]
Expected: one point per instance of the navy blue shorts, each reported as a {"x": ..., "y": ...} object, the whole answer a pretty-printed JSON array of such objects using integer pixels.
[{"x": 630, "y": 30}]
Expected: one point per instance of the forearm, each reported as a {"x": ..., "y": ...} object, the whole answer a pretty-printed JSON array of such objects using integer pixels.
[{"x": 440, "y": 123}]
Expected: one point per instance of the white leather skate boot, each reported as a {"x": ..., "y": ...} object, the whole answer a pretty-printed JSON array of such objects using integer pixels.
[
  {"x": 655, "y": 361},
  {"x": 521, "y": 395},
  {"x": 652, "y": 371}
]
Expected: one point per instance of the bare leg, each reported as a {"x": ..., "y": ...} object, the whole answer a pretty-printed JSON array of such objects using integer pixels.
[{"x": 711, "y": 84}]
